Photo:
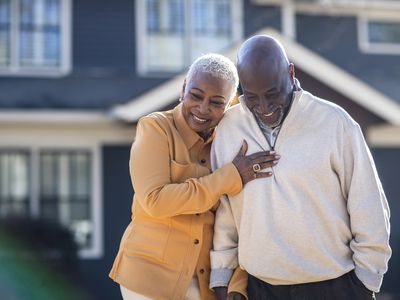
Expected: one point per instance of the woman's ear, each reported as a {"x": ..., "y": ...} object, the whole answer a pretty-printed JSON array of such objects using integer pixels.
[
  {"x": 291, "y": 72},
  {"x": 183, "y": 90}
]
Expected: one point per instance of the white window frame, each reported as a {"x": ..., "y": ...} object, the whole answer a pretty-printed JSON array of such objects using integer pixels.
[
  {"x": 140, "y": 10},
  {"x": 95, "y": 250},
  {"x": 64, "y": 131},
  {"x": 375, "y": 48},
  {"x": 14, "y": 69}
]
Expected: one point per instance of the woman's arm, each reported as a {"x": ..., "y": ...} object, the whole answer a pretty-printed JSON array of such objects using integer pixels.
[{"x": 150, "y": 168}]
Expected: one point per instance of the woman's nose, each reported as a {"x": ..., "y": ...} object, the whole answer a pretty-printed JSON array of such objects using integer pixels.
[{"x": 204, "y": 107}]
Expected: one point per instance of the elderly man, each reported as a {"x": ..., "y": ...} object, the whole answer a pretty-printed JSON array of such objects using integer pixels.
[{"x": 318, "y": 228}]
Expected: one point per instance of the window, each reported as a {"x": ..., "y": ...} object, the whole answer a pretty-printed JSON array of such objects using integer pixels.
[
  {"x": 54, "y": 184},
  {"x": 14, "y": 183},
  {"x": 65, "y": 184},
  {"x": 381, "y": 36},
  {"x": 34, "y": 37},
  {"x": 172, "y": 33}
]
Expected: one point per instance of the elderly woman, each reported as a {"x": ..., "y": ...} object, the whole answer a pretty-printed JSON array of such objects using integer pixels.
[{"x": 164, "y": 252}]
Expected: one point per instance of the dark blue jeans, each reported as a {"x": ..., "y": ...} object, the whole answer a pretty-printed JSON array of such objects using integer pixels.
[{"x": 345, "y": 287}]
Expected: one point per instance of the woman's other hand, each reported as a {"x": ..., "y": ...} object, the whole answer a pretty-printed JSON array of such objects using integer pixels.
[
  {"x": 250, "y": 166},
  {"x": 235, "y": 296}
]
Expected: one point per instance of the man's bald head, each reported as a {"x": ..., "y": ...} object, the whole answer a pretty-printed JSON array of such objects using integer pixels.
[{"x": 262, "y": 49}]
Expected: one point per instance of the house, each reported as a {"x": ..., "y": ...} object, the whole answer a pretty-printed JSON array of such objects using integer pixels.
[{"x": 75, "y": 76}]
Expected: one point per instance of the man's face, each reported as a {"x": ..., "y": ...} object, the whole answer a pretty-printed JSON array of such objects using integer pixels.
[{"x": 267, "y": 91}]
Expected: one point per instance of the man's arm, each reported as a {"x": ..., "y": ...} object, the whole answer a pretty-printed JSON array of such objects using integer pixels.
[
  {"x": 224, "y": 256},
  {"x": 367, "y": 207}
]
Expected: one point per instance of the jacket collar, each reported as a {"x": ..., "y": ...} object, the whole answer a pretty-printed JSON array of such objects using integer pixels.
[{"x": 189, "y": 136}]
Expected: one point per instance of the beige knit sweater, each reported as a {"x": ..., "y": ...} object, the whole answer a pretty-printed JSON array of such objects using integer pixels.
[{"x": 321, "y": 214}]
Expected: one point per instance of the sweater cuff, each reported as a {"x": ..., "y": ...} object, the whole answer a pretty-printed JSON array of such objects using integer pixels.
[
  {"x": 371, "y": 280},
  {"x": 220, "y": 277}
]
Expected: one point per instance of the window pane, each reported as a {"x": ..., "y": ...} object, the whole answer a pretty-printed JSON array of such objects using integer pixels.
[
  {"x": 14, "y": 183},
  {"x": 5, "y": 10},
  {"x": 66, "y": 191},
  {"x": 384, "y": 32},
  {"x": 40, "y": 32},
  {"x": 211, "y": 27},
  {"x": 165, "y": 39},
  {"x": 178, "y": 31}
]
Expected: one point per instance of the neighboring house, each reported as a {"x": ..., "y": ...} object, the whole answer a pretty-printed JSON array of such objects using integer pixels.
[{"x": 75, "y": 76}]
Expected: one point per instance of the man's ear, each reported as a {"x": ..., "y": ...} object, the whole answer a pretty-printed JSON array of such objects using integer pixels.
[{"x": 183, "y": 90}]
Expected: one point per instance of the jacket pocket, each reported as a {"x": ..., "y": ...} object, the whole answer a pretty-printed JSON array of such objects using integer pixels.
[
  {"x": 148, "y": 239},
  {"x": 181, "y": 172}
]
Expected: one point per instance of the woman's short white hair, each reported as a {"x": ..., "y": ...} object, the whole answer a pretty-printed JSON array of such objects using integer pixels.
[{"x": 217, "y": 65}]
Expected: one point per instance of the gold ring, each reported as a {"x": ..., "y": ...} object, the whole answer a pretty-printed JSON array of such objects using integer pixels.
[{"x": 256, "y": 168}]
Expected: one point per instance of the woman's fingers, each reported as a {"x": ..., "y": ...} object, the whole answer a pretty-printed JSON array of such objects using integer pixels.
[
  {"x": 243, "y": 149},
  {"x": 262, "y": 175},
  {"x": 261, "y": 154},
  {"x": 266, "y": 161}
]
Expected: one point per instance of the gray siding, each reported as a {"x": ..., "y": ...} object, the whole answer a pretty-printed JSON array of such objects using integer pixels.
[
  {"x": 335, "y": 38},
  {"x": 386, "y": 160}
]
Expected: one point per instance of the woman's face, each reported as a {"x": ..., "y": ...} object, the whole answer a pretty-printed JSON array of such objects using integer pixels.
[{"x": 204, "y": 99}]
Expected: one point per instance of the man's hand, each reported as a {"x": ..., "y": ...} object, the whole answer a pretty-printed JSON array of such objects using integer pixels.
[{"x": 235, "y": 296}]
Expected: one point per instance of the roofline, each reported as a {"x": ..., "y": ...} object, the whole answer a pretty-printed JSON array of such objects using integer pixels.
[
  {"x": 343, "y": 7},
  {"x": 384, "y": 136},
  {"x": 348, "y": 85},
  {"x": 340, "y": 80}
]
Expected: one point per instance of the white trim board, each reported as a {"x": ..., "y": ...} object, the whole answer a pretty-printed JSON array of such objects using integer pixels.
[
  {"x": 60, "y": 128},
  {"x": 384, "y": 136},
  {"x": 307, "y": 60},
  {"x": 52, "y": 116},
  {"x": 342, "y": 8}
]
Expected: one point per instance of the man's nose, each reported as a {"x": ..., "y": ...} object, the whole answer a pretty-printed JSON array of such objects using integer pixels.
[{"x": 266, "y": 104}]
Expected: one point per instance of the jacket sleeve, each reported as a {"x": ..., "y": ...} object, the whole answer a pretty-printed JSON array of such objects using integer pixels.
[
  {"x": 238, "y": 282},
  {"x": 367, "y": 207},
  {"x": 150, "y": 169}
]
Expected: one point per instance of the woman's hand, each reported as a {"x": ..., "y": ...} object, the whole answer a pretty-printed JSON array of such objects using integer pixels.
[
  {"x": 222, "y": 294},
  {"x": 249, "y": 167}
]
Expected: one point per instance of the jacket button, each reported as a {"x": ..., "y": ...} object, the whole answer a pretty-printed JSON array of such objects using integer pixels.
[
  {"x": 201, "y": 271},
  {"x": 203, "y": 161},
  {"x": 196, "y": 241}
]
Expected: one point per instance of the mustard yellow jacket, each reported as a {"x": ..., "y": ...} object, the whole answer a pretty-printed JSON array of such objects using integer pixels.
[{"x": 170, "y": 235}]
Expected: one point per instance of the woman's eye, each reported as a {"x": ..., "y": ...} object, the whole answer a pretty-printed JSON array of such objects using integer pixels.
[
  {"x": 217, "y": 104},
  {"x": 198, "y": 97}
]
